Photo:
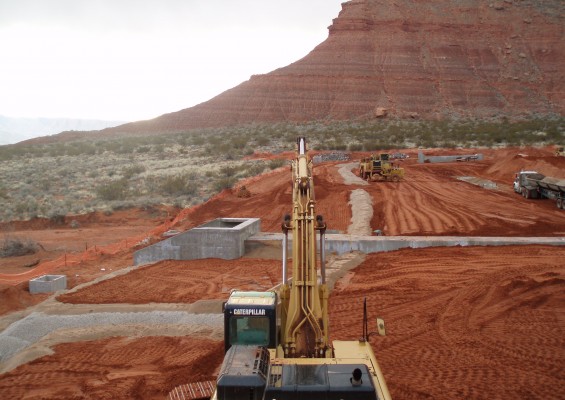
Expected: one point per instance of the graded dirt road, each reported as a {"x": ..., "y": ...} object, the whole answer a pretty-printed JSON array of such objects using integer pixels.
[{"x": 462, "y": 322}]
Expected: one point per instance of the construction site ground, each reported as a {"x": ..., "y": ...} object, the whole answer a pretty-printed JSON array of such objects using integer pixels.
[{"x": 462, "y": 322}]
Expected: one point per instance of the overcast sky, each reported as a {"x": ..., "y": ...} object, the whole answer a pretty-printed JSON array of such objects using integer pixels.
[{"x": 137, "y": 59}]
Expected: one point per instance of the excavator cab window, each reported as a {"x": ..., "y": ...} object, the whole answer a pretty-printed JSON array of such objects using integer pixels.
[
  {"x": 250, "y": 318},
  {"x": 249, "y": 330}
]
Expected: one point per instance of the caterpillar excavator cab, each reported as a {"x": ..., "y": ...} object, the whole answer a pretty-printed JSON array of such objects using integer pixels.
[
  {"x": 277, "y": 342},
  {"x": 250, "y": 318}
]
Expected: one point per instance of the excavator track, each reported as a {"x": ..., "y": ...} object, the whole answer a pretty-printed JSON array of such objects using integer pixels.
[{"x": 193, "y": 391}]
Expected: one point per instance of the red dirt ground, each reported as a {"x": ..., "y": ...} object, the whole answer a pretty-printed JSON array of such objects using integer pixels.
[
  {"x": 181, "y": 282},
  {"x": 462, "y": 322},
  {"x": 115, "y": 368}
]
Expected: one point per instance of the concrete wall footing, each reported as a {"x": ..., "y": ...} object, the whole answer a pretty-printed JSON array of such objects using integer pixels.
[{"x": 340, "y": 243}]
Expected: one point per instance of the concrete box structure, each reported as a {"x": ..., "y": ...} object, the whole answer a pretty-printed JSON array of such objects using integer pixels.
[
  {"x": 48, "y": 284},
  {"x": 221, "y": 238}
]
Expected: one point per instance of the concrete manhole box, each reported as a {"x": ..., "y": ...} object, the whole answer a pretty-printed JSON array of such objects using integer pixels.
[
  {"x": 47, "y": 284},
  {"x": 220, "y": 238}
]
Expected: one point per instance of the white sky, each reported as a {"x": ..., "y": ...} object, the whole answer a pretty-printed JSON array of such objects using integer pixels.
[{"x": 137, "y": 59}]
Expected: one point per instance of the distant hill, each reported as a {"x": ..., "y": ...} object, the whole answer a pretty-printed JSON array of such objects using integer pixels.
[
  {"x": 14, "y": 130},
  {"x": 426, "y": 59}
]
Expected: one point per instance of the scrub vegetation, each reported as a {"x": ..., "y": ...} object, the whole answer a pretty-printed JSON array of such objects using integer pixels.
[{"x": 59, "y": 178}]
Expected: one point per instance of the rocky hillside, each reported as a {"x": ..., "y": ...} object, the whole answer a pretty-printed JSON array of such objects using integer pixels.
[{"x": 429, "y": 59}]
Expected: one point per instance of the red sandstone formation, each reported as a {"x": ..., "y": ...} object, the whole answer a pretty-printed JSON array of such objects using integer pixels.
[{"x": 426, "y": 59}]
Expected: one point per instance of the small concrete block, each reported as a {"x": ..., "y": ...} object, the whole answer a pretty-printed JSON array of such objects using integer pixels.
[{"x": 48, "y": 284}]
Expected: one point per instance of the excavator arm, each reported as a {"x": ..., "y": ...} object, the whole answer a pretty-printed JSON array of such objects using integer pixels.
[{"x": 304, "y": 300}]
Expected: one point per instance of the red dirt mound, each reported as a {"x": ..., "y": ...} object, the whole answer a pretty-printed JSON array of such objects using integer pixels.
[{"x": 18, "y": 297}]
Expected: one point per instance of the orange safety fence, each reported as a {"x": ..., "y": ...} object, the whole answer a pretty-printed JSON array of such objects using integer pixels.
[
  {"x": 91, "y": 254},
  {"x": 95, "y": 252}
]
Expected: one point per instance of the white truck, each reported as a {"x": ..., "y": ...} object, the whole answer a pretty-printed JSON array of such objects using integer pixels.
[{"x": 533, "y": 185}]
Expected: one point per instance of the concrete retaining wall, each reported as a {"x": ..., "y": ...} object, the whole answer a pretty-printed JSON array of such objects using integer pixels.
[
  {"x": 339, "y": 243},
  {"x": 221, "y": 238},
  {"x": 228, "y": 238},
  {"x": 439, "y": 159}
]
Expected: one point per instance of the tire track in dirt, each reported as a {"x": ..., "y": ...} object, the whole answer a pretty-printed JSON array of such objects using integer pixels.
[
  {"x": 462, "y": 322},
  {"x": 179, "y": 282},
  {"x": 144, "y": 368},
  {"x": 431, "y": 201}
]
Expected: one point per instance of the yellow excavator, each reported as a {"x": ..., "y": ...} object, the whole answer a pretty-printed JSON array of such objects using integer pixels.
[{"x": 277, "y": 342}]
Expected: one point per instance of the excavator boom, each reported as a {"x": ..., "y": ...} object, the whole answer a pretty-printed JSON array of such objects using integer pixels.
[{"x": 304, "y": 303}]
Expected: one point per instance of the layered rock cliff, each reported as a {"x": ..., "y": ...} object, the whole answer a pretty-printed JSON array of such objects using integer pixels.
[{"x": 425, "y": 59}]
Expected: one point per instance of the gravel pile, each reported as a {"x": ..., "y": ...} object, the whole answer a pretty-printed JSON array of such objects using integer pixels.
[
  {"x": 349, "y": 177},
  {"x": 361, "y": 204},
  {"x": 335, "y": 156},
  {"x": 35, "y": 326}
]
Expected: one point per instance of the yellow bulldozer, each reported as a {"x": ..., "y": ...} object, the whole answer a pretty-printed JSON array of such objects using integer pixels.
[{"x": 380, "y": 168}]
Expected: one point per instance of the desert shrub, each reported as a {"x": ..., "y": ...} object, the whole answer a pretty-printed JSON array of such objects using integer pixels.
[
  {"x": 143, "y": 149},
  {"x": 177, "y": 185},
  {"x": 122, "y": 205},
  {"x": 198, "y": 141},
  {"x": 224, "y": 183},
  {"x": 254, "y": 169},
  {"x": 228, "y": 171},
  {"x": 113, "y": 190},
  {"x": 45, "y": 184},
  {"x": 15, "y": 247},
  {"x": 276, "y": 163},
  {"x": 27, "y": 206},
  {"x": 239, "y": 142},
  {"x": 159, "y": 149},
  {"x": 57, "y": 218},
  {"x": 355, "y": 147},
  {"x": 132, "y": 170}
]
